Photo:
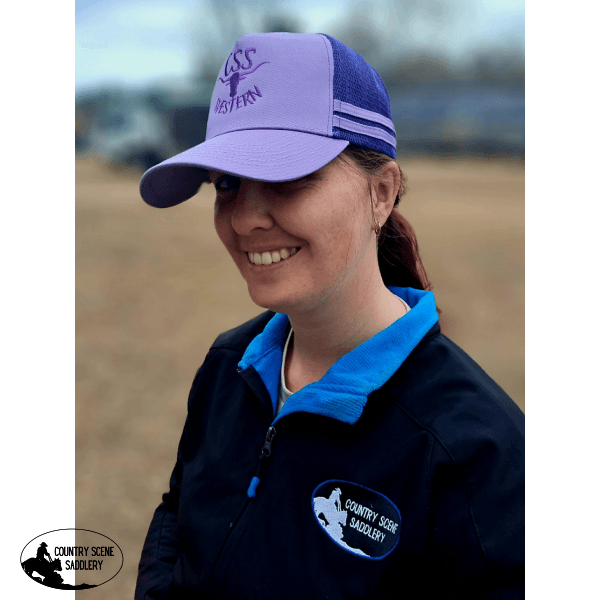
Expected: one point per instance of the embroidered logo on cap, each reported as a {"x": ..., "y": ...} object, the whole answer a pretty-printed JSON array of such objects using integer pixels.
[
  {"x": 357, "y": 518},
  {"x": 235, "y": 72}
]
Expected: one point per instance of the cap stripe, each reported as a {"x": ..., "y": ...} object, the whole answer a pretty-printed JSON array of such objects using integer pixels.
[
  {"x": 367, "y": 130},
  {"x": 362, "y": 113}
]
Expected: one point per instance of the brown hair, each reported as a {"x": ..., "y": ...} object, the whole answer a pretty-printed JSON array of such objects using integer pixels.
[{"x": 398, "y": 252}]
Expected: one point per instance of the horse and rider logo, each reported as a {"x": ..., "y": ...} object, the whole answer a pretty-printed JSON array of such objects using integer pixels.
[
  {"x": 45, "y": 570},
  {"x": 357, "y": 518},
  {"x": 60, "y": 559}
]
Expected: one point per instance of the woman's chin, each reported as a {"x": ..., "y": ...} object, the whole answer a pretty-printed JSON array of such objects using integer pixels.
[
  {"x": 269, "y": 303},
  {"x": 280, "y": 302}
]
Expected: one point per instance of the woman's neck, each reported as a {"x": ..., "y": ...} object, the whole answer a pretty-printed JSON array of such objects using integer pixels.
[{"x": 322, "y": 337}]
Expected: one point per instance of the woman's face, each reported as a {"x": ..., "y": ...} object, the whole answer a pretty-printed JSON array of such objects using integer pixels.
[{"x": 313, "y": 235}]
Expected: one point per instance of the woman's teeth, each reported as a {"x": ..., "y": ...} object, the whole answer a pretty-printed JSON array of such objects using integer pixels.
[{"x": 266, "y": 258}]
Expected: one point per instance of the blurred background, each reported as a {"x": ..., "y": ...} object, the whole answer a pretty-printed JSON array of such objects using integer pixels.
[
  {"x": 145, "y": 70},
  {"x": 154, "y": 288}
]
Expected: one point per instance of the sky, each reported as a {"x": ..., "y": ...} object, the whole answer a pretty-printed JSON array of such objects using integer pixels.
[{"x": 142, "y": 42}]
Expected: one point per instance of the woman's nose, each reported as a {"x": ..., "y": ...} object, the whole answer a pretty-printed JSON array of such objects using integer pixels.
[{"x": 252, "y": 208}]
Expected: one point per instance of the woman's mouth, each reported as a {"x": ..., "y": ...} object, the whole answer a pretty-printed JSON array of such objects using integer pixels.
[{"x": 268, "y": 258}]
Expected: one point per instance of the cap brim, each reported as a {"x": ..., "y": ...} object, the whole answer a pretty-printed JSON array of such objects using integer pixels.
[{"x": 261, "y": 154}]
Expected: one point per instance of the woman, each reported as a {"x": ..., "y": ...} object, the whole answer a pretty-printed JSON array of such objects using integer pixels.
[{"x": 337, "y": 445}]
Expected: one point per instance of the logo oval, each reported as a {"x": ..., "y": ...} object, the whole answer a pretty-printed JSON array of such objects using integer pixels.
[
  {"x": 72, "y": 559},
  {"x": 357, "y": 518}
]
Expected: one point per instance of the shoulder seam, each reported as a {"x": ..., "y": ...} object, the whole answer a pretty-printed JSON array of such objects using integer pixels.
[
  {"x": 441, "y": 443},
  {"x": 216, "y": 347}
]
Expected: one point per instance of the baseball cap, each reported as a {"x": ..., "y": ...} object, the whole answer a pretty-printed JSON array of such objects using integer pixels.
[{"x": 284, "y": 105}]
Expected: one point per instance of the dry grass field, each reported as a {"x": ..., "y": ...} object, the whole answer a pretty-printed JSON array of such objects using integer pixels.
[{"x": 155, "y": 287}]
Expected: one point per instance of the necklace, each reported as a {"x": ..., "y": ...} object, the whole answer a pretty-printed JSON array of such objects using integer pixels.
[{"x": 404, "y": 304}]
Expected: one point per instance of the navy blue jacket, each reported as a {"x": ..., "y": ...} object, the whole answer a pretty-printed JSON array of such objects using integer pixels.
[{"x": 400, "y": 474}]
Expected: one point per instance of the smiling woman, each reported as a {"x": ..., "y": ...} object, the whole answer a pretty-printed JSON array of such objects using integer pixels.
[
  {"x": 338, "y": 445},
  {"x": 329, "y": 254}
]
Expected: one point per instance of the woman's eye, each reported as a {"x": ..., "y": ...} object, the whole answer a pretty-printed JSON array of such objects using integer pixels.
[
  {"x": 227, "y": 183},
  {"x": 287, "y": 187}
]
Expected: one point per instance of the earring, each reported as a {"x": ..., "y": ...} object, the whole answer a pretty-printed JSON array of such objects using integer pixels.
[{"x": 378, "y": 228}]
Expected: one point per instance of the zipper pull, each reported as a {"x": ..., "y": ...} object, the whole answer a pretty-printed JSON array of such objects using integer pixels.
[
  {"x": 266, "y": 449},
  {"x": 264, "y": 453}
]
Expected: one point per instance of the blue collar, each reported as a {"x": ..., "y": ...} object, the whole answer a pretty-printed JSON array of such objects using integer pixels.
[{"x": 342, "y": 392}]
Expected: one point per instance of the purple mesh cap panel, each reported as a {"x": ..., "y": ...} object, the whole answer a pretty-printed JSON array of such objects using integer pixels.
[
  {"x": 357, "y": 84},
  {"x": 274, "y": 116}
]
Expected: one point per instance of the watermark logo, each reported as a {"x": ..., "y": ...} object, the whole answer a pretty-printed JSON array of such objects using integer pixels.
[{"x": 71, "y": 559}]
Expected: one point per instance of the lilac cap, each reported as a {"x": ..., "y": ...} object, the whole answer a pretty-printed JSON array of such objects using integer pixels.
[{"x": 284, "y": 105}]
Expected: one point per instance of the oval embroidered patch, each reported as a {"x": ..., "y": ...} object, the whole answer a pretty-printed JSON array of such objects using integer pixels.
[{"x": 357, "y": 518}]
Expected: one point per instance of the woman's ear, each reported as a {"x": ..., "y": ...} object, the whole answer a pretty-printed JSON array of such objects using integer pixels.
[{"x": 386, "y": 185}]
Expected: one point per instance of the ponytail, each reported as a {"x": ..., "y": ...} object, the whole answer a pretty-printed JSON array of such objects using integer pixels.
[{"x": 398, "y": 252}]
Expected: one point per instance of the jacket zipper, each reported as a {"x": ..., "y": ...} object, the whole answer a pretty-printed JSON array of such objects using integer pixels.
[
  {"x": 216, "y": 577},
  {"x": 264, "y": 453}
]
